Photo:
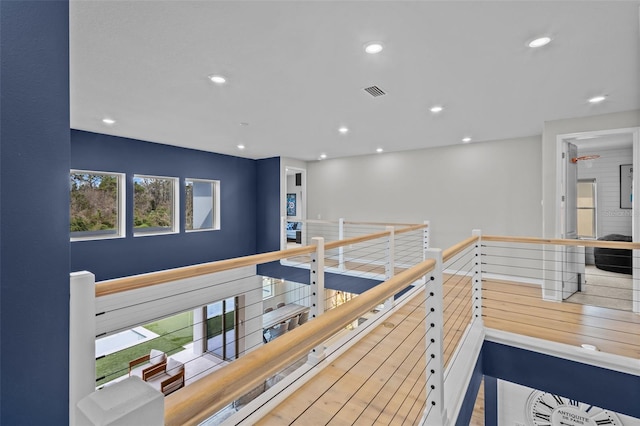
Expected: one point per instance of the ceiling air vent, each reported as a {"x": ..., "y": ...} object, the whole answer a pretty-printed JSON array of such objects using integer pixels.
[{"x": 374, "y": 91}]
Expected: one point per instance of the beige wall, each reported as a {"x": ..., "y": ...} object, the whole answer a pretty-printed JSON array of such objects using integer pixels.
[
  {"x": 551, "y": 131},
  {"x": 495, "y": 186}
]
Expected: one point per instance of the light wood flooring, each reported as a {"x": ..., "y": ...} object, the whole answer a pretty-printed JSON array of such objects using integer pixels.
[
  {"x": 518, "y": 308},
  {"x": 380, "y": 380}
]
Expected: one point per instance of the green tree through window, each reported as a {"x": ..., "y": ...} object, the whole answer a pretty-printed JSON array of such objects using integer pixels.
[
  {"x": 94, "y": 204},
  {"x": 153, "y": 204}
]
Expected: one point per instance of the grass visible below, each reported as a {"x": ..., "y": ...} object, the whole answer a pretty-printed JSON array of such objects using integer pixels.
[{"x": 173, "y": 333}]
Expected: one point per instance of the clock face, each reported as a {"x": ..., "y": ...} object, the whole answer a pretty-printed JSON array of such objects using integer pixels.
[{"x": 546, "y": 409}]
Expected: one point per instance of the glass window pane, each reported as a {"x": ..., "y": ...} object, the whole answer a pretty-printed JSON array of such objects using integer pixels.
[
  {"x": 200, "y": 204},
  {"x": 153, "y": 204},
  {"x": 94, "y": 205}
]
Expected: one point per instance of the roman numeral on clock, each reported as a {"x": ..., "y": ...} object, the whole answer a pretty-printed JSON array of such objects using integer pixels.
[
  {"x": 604, "y": 422},
  {"x": 546, "y": 405},
  {"x": 543, "y": 416}
]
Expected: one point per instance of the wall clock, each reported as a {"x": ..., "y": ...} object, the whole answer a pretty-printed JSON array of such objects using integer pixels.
[{"x": 546, "y": 409}]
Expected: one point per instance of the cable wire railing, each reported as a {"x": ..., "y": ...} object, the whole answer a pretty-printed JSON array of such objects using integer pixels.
[
  {"x": 524, "y": 278},
  {"x": 484, "y": 284}
]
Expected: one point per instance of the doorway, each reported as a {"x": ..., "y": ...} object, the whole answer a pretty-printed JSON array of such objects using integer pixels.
[
  {"x": 599, "y": 157},
  {"x": 221, "y": 329},
  {"x": 295, "y": 203}
]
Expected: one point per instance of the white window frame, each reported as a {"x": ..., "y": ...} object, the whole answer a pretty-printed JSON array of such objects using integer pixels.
[
  {"x": 175, "y": 214},
  {"x": 122, "y": 219},
  {"x": 215, "y": 205},
  {"x": 268, "y": 287}
]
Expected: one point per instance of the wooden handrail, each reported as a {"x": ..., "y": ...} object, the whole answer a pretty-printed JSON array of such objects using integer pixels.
[
  {"x": 355, "y": 240},
  {"x": 563, "y": 242},
  {"x": 203, "y": 398},
  {"x": 118, "y": 285},
  {"x": 379, "y": 223},
  {"x": 318, "y": 221},
  {"x": 455, "y": 249},
  {"x": 411, "y": 228}
]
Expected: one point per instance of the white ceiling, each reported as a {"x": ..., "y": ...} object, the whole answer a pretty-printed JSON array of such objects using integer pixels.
[{"x": 296, "y": 71}]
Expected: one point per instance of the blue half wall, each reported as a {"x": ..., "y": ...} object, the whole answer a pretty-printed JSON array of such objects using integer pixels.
[{"x": 613, "y": 390}]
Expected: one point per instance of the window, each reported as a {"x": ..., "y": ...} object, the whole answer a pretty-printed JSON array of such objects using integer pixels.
[
  {"x": 587, "y": 208},
  {"x": 96, "y": 205},
  {"x": 268, "y": 287},
  {"x": 201, "y": 205},
  {"x": 154, "y": 205}
]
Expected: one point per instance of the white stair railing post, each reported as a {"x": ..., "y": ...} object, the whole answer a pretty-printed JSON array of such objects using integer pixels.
[
  {"x": 82, "y": 340},
  {"x": 390, "y": 264},
  {"x": 476, "y": 293},
  {"x": 425, "y": 239},
  {"x": 317, "y": 293},
  {"x": 341, "y": 266},
  {"x": 435, "y": 412}
]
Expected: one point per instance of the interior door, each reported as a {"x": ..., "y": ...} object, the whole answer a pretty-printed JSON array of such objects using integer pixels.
[{"x": 571, "y": 256}]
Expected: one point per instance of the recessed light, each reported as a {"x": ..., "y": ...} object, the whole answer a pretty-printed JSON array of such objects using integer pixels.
[
  {"x": 218, "y": 79},
  {"x": 343, "y": 129},
  {"x": 597, "y": 99},
  {"x": 323, "y": 156},
  {"x": 109, "y": 121},
  {"x": 436, "y": 108},
  {"x": 379, "y": 150},
  {"x": 240, "y": 146},
  {"x": 373, "y": 47},
  {"x": 539, "y": 42},
  {"x": 466, "y": 140}
]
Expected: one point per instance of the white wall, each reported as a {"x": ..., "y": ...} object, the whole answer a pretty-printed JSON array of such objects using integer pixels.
[
  {"x": 493, "y": 185},
  {"x": 141, "y": 306},
  {"x": 611, "y": 219},
  {"x": 288, "y": 292},
  {"x": 551, "y": 131}
]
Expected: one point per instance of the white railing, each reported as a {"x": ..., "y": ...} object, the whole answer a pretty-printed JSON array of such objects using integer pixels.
[{"x": 452, "y": 281}]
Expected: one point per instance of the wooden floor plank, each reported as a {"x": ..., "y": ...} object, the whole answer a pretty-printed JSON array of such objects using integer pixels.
[
  {"x": 530, "y": 294},
  {"x": 381, "y": 379}
]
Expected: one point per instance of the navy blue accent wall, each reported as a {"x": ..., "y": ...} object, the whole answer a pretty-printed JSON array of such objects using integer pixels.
[
  {"x": 34, "y": 212},
  {"x": 490, "y": 401},
  {"x": 346, "y": 283},
  {"x": 464, "y": 416},
  {"x": 619, "y": 392},
  {"x": 134, "y": 255},
  {"x": 268, "y": 196}
]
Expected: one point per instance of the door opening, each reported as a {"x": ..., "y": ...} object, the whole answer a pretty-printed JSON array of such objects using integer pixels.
[
  {"x": 599, "y": 218},
  {"x": 221, "y": 329}
]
